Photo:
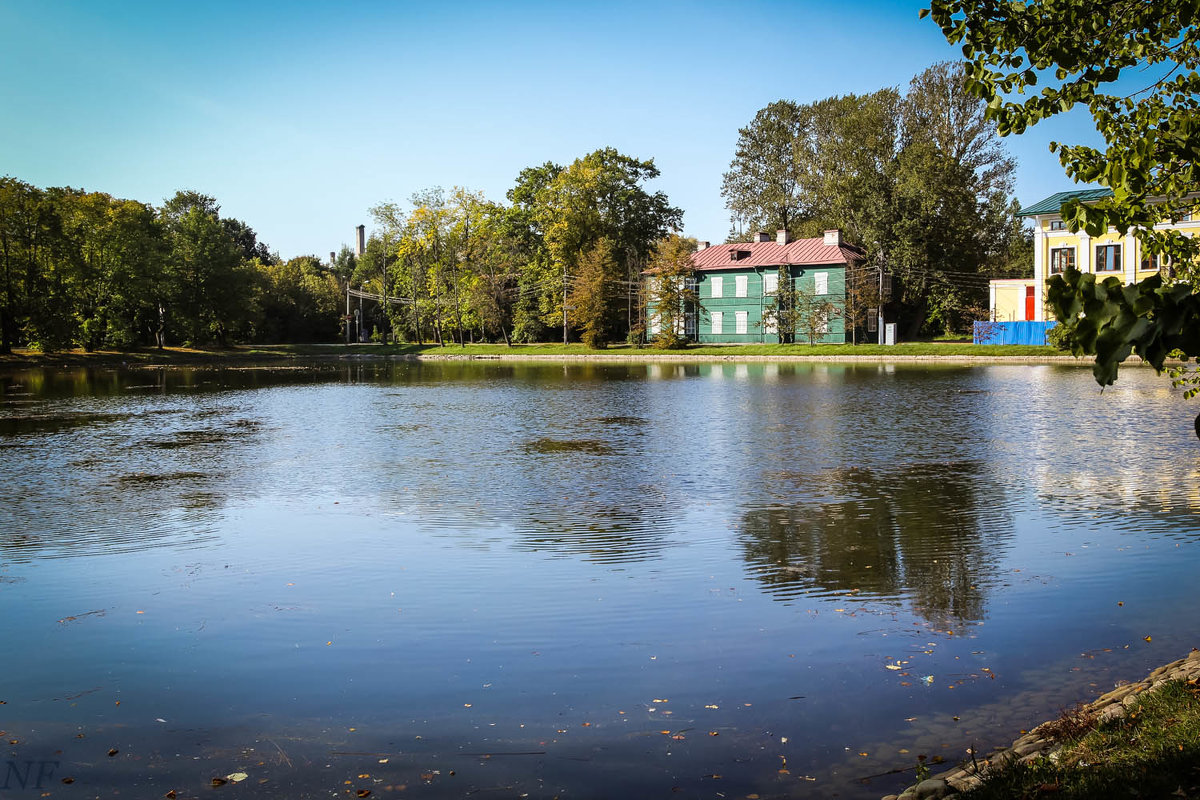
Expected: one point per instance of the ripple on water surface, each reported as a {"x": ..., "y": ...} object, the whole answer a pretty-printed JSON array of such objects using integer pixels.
[{"x": 599, "y": 566}]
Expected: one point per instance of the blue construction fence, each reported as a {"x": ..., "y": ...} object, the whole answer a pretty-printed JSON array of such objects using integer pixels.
[{"x": 1012, "y": 332}]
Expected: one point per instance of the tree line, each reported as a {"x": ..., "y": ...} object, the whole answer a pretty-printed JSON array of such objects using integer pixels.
[
  {"x": 918, "y": 180},
  {"x": 86, "y": 269}
]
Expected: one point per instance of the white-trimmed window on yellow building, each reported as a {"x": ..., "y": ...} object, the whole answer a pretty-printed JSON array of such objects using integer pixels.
[
  {"x": 1056, "y": 248},
  {"x": 1061, "y": 258}
]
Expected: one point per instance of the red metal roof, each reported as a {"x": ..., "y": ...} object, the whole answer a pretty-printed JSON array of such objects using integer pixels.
[{"x": 770, "y": 254}]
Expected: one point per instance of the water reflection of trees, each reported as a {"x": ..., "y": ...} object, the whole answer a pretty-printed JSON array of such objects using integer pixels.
[{"x": 929, "y": 533}]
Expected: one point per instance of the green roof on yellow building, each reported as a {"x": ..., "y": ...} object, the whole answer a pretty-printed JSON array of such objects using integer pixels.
[{"x": 1054, "y": 202}]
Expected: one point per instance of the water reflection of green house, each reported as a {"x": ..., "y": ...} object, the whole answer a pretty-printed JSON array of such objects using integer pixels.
[
  {"x": 736, "y": 283},
  {"x": 929, "y": 535}
]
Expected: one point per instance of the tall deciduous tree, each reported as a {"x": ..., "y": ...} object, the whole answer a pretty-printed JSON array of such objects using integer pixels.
[
  {"x": 919, "y": 181},
  {"x": 672, "y": 293},
  {"x": 602, "y": 195},
  {"x": 1136, "y": 68},
  {"x": 591, "y": 295},
  {"x": 207, "y": 288},
  {"x": 764, "y": 185}
]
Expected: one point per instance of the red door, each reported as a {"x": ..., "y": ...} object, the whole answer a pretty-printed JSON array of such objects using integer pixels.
[{"x": 1028, "y": 302}]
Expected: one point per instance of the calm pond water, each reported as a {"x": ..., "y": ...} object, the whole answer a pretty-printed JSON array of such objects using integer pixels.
[{"x": 446, "y": 580}]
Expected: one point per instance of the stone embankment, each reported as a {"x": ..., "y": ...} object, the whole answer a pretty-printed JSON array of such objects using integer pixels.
[{"x": 1038, "y": 742}]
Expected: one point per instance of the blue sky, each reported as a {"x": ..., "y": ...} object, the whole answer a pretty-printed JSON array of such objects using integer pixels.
[{"x": 299, "y": 116}]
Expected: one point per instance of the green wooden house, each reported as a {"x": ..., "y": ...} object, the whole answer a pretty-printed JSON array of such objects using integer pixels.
[{"x": 736, "y": 283}]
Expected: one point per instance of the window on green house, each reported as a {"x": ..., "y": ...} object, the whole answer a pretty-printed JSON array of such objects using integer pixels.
[
  {"x": 1108, "y": 257},
  {"x": 718, "y": 320},
  {"x": 821, "y": 282},
  {"x": 740, "y": 320},
  {"x": 770, "y": 283},
  {"x": 718, "y": 286},
  {"x": 740, "y": 282}
]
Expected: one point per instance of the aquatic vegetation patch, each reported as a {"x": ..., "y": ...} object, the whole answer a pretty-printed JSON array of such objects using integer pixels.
[
  {"x": 150, "y": 479},
  {"x": 546, "y": 446},
  {"x": 20, "y": 425},
  {"x": 189, "y": 439}
]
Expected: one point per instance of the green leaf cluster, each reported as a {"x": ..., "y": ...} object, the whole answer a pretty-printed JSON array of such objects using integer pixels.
[{"x": 1134, "y": 67}]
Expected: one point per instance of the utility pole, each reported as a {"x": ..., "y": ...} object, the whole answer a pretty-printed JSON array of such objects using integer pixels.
[
  {"x": 879, "y": 262},
  {"x": 564, "y": 303},
  {"x": 347, "y": 309}
]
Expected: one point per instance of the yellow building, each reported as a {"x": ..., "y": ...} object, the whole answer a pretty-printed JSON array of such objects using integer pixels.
[
  {"x": 1055, "y": 248},
  {"x": 1014, "y": 300}
]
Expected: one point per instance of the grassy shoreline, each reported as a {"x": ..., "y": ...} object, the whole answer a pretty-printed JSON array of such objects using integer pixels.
[
  {"x": 1140, "y": 739},
  {"x": 245, "y": 354}
]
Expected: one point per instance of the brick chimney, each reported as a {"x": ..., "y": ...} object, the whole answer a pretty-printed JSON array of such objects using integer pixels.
[
  {"x": 781, "y": 237},
  {"x": 833, "y": 238},
  {"x": 762, "y": 236}
]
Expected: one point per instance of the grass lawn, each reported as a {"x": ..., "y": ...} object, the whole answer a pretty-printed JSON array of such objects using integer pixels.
[
  {"x": 255, "y": 353},
  {"x": 719, "y": 351}
]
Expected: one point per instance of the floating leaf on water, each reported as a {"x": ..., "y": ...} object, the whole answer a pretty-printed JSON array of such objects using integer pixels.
[
  {"x": 68, "y": 781},
  {"x": 219, "y": 781},
  {"x": 237, "y": 777},
  {"x": 712, "y": 706},
  {"x": 113, "y": 752},
  {"x": 1147, "y": 638}
]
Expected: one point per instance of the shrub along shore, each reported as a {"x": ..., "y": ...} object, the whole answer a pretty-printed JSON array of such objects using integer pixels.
[{"x": 250, "y": 354}]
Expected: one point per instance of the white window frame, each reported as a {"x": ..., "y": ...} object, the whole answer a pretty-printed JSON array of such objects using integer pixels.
[
  {"x": 740, "y": 284},
  {"x": 718, "y": 285},
  {"x": 769, "y": 326},
  {"x": 770, "y": 283},
  {"x": 822, "y": 326},
  {"x": 820, "y": 283},
  {"x": 718, "y": 321},
  {"x": 655, "y": 328},
  {"x": 741, "y": 322}
]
